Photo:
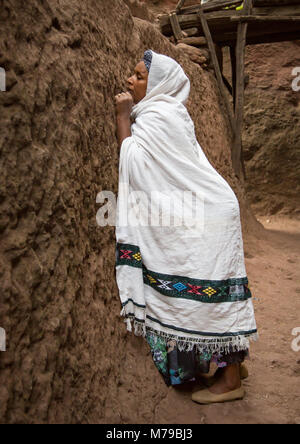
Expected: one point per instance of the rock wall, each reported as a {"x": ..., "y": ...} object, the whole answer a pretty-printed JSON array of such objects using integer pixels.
[
  {"x": 69, "y": 357},
  {"x": 272, "y": 132}
]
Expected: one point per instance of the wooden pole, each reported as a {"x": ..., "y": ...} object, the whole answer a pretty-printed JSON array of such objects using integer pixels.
[
  {"x": 240, "y": 85},
  {"x": 233, "y": 71},
  {"x": 175, "y": 26},
  {"x": 227, "y": 84},
  {"x": 265, "y": 19},
  {"x": 216, "y": 65},
  {"x": 226, "y": 20},
  {"x": 179, "y": 5},
  {"x": 194, "y": 41},
  {"x": 275, "y": 2}
]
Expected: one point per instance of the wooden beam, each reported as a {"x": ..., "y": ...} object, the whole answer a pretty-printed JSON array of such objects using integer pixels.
[
  {"x": 275, "y": 2},
  {"x": 264, "y": 19},
  {"x": 233, "y": 73},
  {"x": 256, "y": 33},
  {"x": 211, "y": 6},
  {"x": 227, "y": 84},
  {"x": 219, "y": 5},
  {"x": 240, "y": 86},
  {"x": 220, "y": 18},
  {"x": 216, "y": 65},
  {"x": 191, "y": 32},
  {"x": 194, "y": 41},
  {"x": 175, "y": 26},
  {"x": 191, "y": 20},
  {"x": 179, "y": 5}
]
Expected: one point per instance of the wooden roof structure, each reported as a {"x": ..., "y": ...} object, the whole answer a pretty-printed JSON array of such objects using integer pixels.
[
  {"x": 270, "y": 21},
  {"x": 217, "y": 24}
]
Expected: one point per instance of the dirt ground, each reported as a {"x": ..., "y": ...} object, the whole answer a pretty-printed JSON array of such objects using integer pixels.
[{"x": 272, "y": 389}]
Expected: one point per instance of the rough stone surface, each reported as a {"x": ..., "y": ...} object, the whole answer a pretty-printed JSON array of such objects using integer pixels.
[
  {"x": 69, "y": 357},
  {"x": 197, "y": 55},
  {"x": 271, "y": 134},
  {"x": 140, "y": 10},
  {"x": 272, "y": 128}
]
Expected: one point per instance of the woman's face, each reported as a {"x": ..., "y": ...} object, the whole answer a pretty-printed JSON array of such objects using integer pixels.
[{"x": 137, "y": 83}]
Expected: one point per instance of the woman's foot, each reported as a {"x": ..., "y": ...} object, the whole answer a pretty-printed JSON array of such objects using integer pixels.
[
  {"x": 227, "y": 380},
  {"x": 207, "y": 397},
  {"x": 227, "y": 387},
  {"x": 211, "y": 379}
]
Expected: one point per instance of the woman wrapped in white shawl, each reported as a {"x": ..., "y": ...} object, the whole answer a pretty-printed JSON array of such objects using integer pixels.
[{"x": 179, "y": 255}]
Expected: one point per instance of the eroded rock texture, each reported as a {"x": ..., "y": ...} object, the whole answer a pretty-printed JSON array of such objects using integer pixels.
[
  {"x": 69, "y": 357},
  {"x": 272, "y": 128}
]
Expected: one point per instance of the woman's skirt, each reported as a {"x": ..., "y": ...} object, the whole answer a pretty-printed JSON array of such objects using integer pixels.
[{"x": 178, "y": 367}]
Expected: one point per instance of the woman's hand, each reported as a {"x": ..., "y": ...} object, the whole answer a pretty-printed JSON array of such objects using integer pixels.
[{"x": 124, "y": 104}]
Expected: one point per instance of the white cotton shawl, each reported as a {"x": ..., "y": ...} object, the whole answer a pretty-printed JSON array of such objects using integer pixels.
[{"x": 186, "y": 282}]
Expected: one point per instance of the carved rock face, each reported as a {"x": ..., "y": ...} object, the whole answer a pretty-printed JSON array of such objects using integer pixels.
[{"x": 59, "y": 301}]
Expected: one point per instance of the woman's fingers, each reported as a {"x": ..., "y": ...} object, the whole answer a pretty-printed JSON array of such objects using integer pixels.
[
  {"x": 124, "y": 103},
  {"x": 123, "y": 96}
]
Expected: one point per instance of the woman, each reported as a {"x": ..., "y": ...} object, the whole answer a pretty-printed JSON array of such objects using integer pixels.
[{"x": 182, "y": 281}]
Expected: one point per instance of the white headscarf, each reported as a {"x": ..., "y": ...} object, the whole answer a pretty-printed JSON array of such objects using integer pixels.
[
  {"x": 184, "y": 282},
  {"x": 167, "y": 93},
  {"x": 167, "y": 77}
]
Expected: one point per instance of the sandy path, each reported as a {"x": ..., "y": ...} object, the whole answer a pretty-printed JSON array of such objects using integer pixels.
[{"x": 273, "y": 387}]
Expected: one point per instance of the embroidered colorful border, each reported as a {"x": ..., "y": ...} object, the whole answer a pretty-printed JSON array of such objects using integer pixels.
[
  {"x": 210, "y": 291},
  {"x": 230, "y": 290},
  {"x": 127, "y": 254}
]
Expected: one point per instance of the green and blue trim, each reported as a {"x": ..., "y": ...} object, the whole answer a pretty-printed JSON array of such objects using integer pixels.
[{"x": 176, "y": 286}]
